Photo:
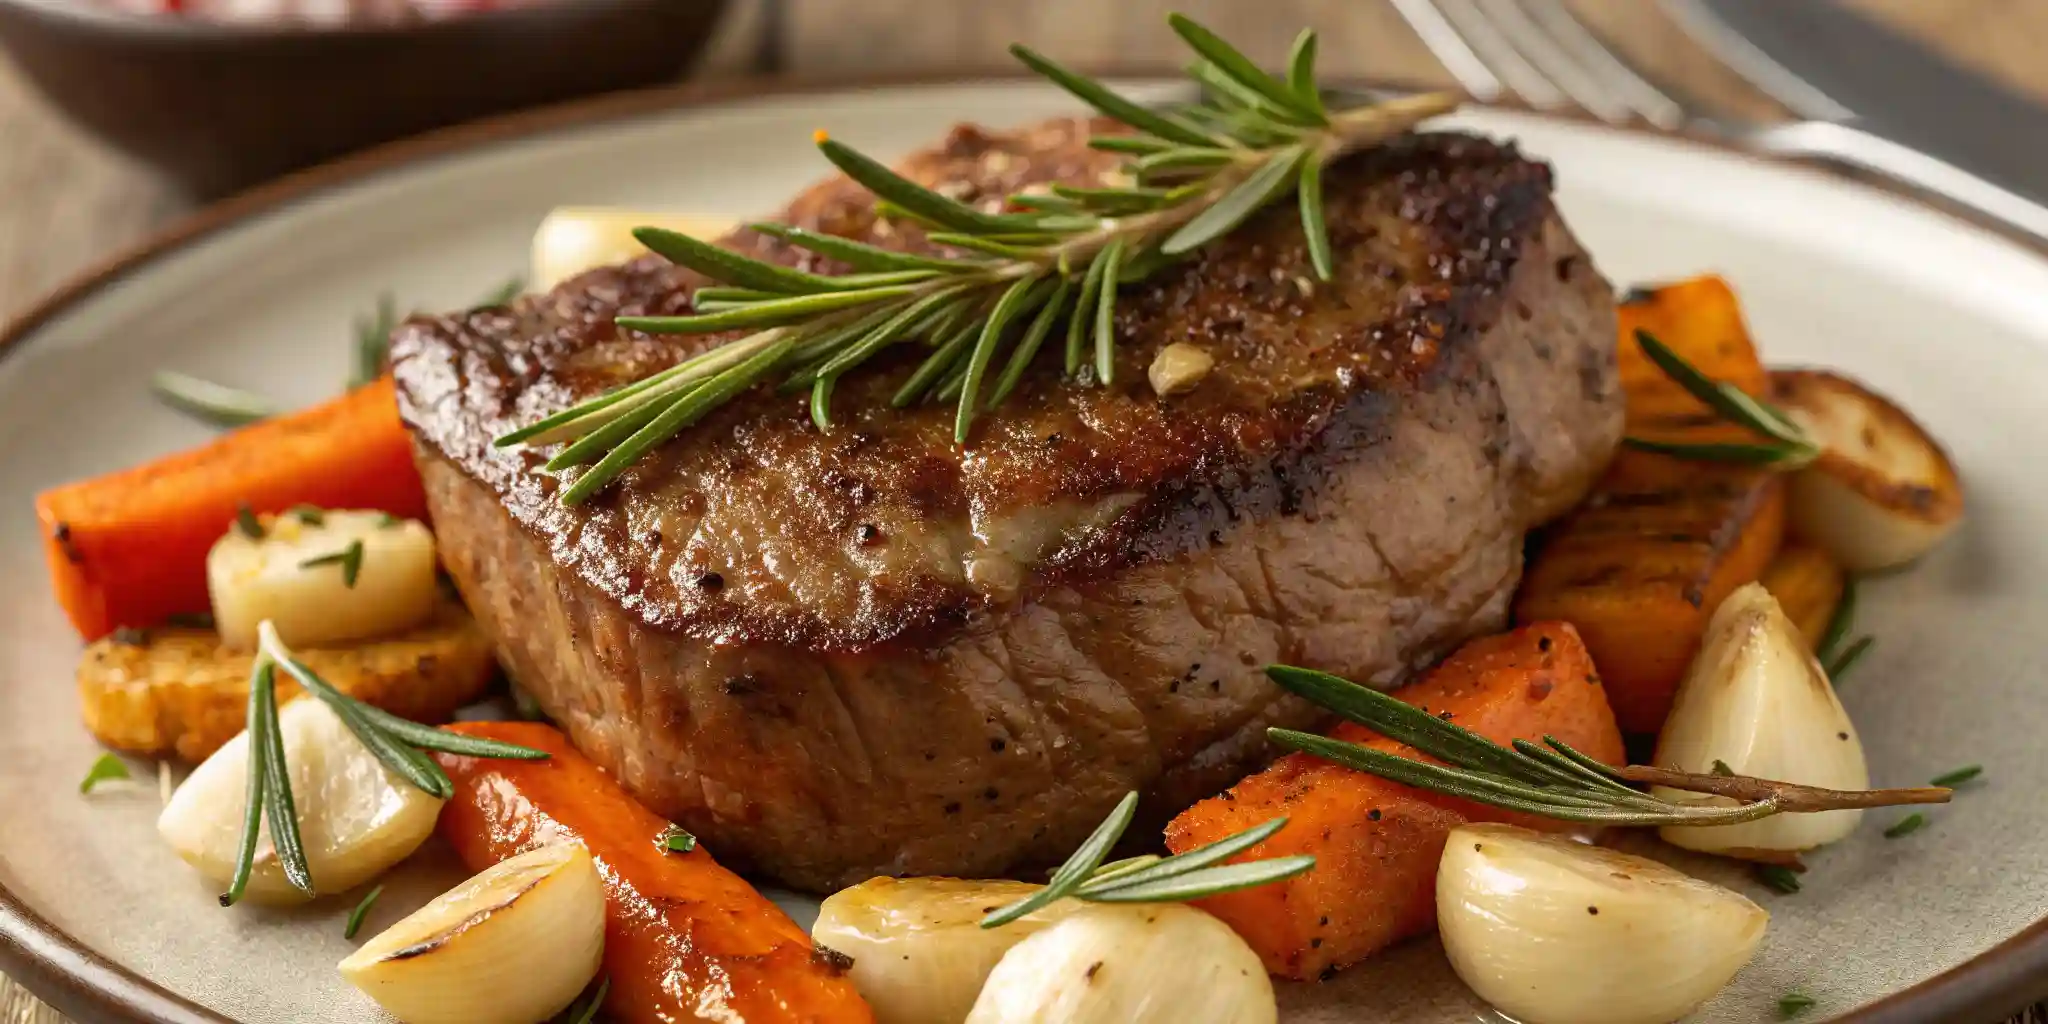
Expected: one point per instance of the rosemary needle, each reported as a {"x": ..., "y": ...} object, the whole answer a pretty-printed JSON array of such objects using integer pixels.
[
  {"x": 1906, "y": 826},
  {"x": 1787, "y": 445},
  {"x": 213, "y": 404},
  {"x": 355, "y": 917},
  {"x": 1958, "y": 777},
  {"x": 676, "y": 839},
  {"x": 1792, "y": 1004},
  {"x": 349, "y": 558},
  {"x": 1779, "y": 877}
]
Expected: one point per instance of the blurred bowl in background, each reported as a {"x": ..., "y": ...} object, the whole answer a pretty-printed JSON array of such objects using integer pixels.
[{"x": 220, "y": 104}]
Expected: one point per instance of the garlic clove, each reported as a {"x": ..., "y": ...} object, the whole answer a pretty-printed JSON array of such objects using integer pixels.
[
  {"x": 356, "y": 818},
  {"x": 1756, "y": 700},
  {"x": 1553, "y": 931},
  {"x": 1129, "y": 964},
  {"x": 573, "y": 239},
  {"x": 514, "y": 945},
  {"x": 298, "y": 574},
  {"x": 919, "y": 951},
  {"x": 1884, "y": 492}
]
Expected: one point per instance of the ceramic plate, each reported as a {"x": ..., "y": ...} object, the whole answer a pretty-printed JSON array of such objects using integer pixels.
[{"x": 1949, "y": 319}]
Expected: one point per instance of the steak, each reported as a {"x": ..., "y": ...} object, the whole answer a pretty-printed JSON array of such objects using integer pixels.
[{"x": 868, "y": 651}]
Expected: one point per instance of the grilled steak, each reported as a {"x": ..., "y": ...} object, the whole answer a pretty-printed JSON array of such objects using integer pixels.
[{"x": 869, "y": 651}]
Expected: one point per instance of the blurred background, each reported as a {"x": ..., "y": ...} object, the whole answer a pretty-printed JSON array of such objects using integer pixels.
[{"x": 113, "y": 123}]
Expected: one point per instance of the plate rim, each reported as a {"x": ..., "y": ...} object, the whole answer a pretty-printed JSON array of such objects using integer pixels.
[{"x": 83, "y": 984}]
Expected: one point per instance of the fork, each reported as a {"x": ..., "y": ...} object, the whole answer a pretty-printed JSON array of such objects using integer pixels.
[{"x": 1541, "y": 53}]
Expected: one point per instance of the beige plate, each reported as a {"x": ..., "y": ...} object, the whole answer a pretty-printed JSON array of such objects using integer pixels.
[{"x": 1950, "y": 320}]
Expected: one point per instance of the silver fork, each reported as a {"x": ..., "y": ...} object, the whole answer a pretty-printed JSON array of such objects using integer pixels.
[{"x": 1539, "y": 52}]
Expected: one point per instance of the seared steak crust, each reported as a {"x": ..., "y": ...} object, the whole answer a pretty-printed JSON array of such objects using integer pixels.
[{"x": 869, "y": 650}]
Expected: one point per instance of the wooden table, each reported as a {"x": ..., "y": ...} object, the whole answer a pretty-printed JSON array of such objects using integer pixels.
[{"x": 69, "y": 202}]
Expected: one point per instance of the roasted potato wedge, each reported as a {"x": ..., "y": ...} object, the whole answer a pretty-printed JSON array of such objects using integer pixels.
[
  {"x": 182, "y": 693},
  {"x": 1699, "y": 319},
  {"x": 1884, "y": 492},
  {"x": 1808, "y": 584}
]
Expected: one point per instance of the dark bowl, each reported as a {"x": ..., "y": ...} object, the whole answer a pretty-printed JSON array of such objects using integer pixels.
[{"x": 220, "y": 106}]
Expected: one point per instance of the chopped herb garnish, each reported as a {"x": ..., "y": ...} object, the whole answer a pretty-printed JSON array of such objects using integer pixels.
[
  {"x": 1906, "y": 826},
  {"x": 1959, "y": 776},
  {"x": 1792, "y": 1004},
  {"x": 355, "y": 917},
  {"x": 1778, "y": 877},
  {"x": 349, "y": 558},
  {"x": 584, "y": 1012},
  {"x": 311, "y": 515},
  {"x": 246, "y": 521},
  {"x": 386, "y": 520},
  {"x": 1840, "y": 666},
  {"x": 107, "y": 769},
  {"x": 676, "y": 839}
]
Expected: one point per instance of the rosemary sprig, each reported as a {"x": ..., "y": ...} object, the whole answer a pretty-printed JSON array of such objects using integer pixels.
[
  {"x": 1152, "y": 879},
  {"x": 1049, "y": 261},
  {"x": 1551, "y": 779},
  {"x": 1788, "y": 448},
  {"x": 1835, "y": 659},
  {"x": 362, "y": 910},
  {"x": 398, "y": 743},
  {"x": 349, "y": 558}
]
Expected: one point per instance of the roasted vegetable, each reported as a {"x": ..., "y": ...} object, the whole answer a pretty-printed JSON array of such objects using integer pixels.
[
  {"x": 682, "y": 933},
  {"x": 129, "y": 548},
  {"x": 514, "y": 945},
  {"x": 1377, "y": 843},
  {"x": 1884, "y": 492},
  {"x": 1641, "y": 564},
  {"x": 573, "y": 239},
  {"x": 1110, "y": 964},
  {"x": 1808, "y": 585},
  {"x": 182, "y": 693},
  {"x": 1556, "y": 932},
  {"x": 322, "y": 576}
]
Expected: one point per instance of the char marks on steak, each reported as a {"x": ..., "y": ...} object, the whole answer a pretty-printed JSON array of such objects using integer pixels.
[{"x": 869, "y": 651}]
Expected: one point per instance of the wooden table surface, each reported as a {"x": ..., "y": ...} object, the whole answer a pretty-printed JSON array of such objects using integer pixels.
[{"x": 69, "y": 202}]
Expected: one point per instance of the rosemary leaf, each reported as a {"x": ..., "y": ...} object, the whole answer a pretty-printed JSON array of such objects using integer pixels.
[
  {"x": 1180, "y": 864},
  {"x": 1101, "y": 97},
  {"x": 362, "y": 910},
  {"x": 1255, "y": 191},
  {"x": 1135, "y": 145},
  {"x": 951, "y": 347},
  {"x": 1077, "y": 868},
  {"x": 821, "y": 402},
  {"x": 1955, "y": 778},
  {"x": 1034, "y": 338},
  {"x": 918, "y": 200},
  {"x": 407, "y": 763},
  {"x": 252, "y": 796},
  {"x": 1780, "y": 455},
  {"x": 1253, "y": 107},
  {"x": 1187, "y": 159},
  {"x": 986, "y": 245},
  {"x": 213, "y": 404},
  {"x": 860, "y": 255},
  {"x": 1301, "y": 73},
  {"x": 1314, "y": 230},
  {"x": 1840, "y": 666},
  {"x": 1092, "y": 286},
  {"x": 1839, "y": 626},
  {"x": 246, "y": 522},
  {"x": 280, "y": 811},
  {"x": 912, "y": 317},
  {"x": 1792, "y": 1004},
  {"x": 1105, "y": 314},
  {"x": 107, "y": 768},
  {"x": 1732, "y": 403},
  {"x": 373, "y": 341},
  {"x": 1230, "y": 61},
  {"x": 1779, "y": 877},
  {"x": 427, "y": 737},
  {"x": 728, "y": 266},
  {"x": 1120, "y": 868},
  {"x": 349, "y": 558},
  {"x": 1013, "y": 303},
  {"x": 1208, "y": 881},
  {"x": 585, "y": 1013},
  {"x": 1400, "y": 721},
  {"x": 764, "y": 314},
  {"x": 503, "y": 295},
  {"x": 593, "y": 446},
  {"x": 676, "y": 839}
]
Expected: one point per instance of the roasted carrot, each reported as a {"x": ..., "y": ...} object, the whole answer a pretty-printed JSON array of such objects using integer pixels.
[
  {"x": 129, "y": 548},
  {"x": 1808, "y": 584},
  {"x": 1377, "y": 843},
  {"x": 1643, "y": 562},
  {"x": 685, "y": 938}
]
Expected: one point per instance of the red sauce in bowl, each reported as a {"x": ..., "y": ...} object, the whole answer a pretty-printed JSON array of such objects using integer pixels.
[{"x": 313, "y": 12}]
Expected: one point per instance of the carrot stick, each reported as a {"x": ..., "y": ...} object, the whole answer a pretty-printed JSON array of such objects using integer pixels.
[
  {"x": 685, "y": 938},
  {"x": 129, "y": 548},
  {"x": 1376, "y": 842}
]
